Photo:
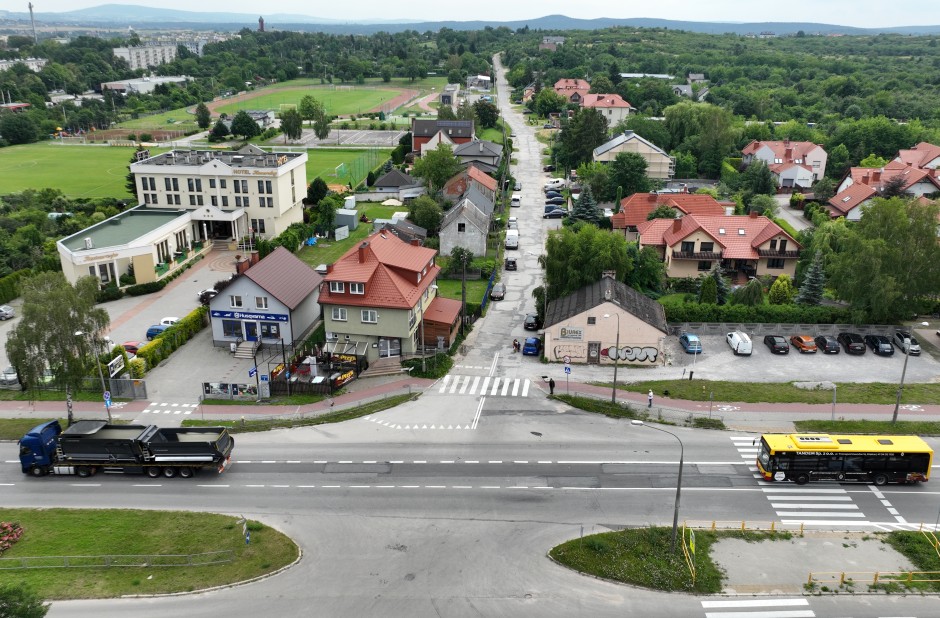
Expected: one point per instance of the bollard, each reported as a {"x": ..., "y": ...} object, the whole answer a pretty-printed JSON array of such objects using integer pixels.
[{"x": 691, "y": 373}]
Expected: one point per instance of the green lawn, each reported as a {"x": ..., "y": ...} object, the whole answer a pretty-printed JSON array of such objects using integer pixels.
[
  {"x": 92, "y": 532},
  {"x": 79, "y": 171},
  {"x": 357, "y": 100},
  {"x": 174, "y": 120},
  {"x": 323, "y": 161}
]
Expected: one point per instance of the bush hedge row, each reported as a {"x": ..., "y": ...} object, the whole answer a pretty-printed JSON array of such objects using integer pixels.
[
  {"x": 158, "y": 350},
  {"x": 9, "y": 285},
  {"x": 155, "y": 286},
  {"x": 780, "y": 314}
]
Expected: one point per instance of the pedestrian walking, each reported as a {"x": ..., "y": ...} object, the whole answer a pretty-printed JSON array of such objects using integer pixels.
[
  {"x": 551, "y": 386},
  {"x": 649, "y": 398}
]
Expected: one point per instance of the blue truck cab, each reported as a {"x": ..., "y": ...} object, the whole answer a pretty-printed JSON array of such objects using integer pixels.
[{"x": 37, "y": 447}]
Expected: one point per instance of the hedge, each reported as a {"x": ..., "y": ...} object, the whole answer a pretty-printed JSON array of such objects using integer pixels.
[
  {"x": 779, "y": 314},
  {"x": 155, "y": 286},
  {"x": 9, "y": 285},
  {"x": 158, "y": 350}
]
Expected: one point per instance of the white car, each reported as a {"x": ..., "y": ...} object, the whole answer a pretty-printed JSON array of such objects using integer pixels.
[
  {"x": 6, "y": 312},
  {"x": 169, "y": 321}
]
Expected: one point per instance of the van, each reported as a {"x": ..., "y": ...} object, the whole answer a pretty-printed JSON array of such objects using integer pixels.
[
  {"x": 515, "y": 201},
  {"x": 740, "y": 343},
  {"x": 512, "y": 239},
  {"x": 555, "y": 183}
]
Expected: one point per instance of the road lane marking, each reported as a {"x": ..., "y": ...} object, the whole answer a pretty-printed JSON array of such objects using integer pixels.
[
  {"x": 818, "y": 514},
  {"x": 755, "y": 603},
  {"x": 476, "y": 417}
]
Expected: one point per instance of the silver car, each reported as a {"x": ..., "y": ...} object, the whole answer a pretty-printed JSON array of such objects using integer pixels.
[
  {"x": 9, "y": 378},
  {"x": 906, "y": 343},
  {"x": 6, "y": 312}
]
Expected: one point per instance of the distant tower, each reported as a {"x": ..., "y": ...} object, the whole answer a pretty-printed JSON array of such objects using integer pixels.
[
  {"x": 261, "y": 24},
  {"x": 33, "y": 22}
]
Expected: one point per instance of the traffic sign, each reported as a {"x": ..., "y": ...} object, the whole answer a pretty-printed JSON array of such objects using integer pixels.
[
  {"x": 107, "y": 395},
  {"x": 252, "y": 372},
  {"x": 567, "y": 359},
  {"x": 567, "y": 369},
  {"x": 264, "y": 377}
]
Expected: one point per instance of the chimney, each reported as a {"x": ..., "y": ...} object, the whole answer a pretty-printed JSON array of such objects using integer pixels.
[
  {"x": 481, "y": 147},
  {"x": 415, "y": 242},
  {"x": 753, "y": 214},
  {"x": 329, "y": 268},
  {"x": 651, "y": 197},
  {"x": 876, "y": 176},
  {"x": 362, "y": 252},
  {"x": 676, "y": 225},
  {"x": 609, "y": 274}
]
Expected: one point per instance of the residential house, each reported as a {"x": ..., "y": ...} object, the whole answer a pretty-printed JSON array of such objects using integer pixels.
[
  {"x": 455, "y": 188},
  {"x": 849, "y": 202},
  {"x": 465, "y": 225},
  {"x": 573, "y": 90},
  {"x": 449, "y": 95},
  {"x": 481, "y": 153},
  {"x": 586, "y": 326},
  {"x": 793, "y": 164},
  {"x": 914, "y": 181},
  {"x": 745, "y": 245},
  {"x": 451, "y": 132},
  {"x": 393, "y": 182},
  {"x": 146, "y": 56},
  {"x": 273, "y": 301},
  {"x": 923, "y": 156},
  {"x": 480, "y": 199},
  {"x": 381, "y": 294},
  {"x": 636, "y": 208},
  {"x": 405, "y": 230},
  {"x": 551, "y": 43},
  {"x": 611, "y": 106},
  {"x": 659, "y": 164}
]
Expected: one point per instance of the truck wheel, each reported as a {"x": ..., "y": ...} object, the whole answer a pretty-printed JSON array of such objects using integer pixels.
[
  {"x": 169, "y": 472},
  {"x": 186, "y": 473},
  {"x": 37, "y": 471},
  {"x": 85, "y": 472},
  {"x": 153, "y": 472},
  {"x": 802, "y": 479},
  {"x": 880, "y": 479}
]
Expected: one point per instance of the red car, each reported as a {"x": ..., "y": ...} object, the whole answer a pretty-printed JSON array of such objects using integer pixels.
[
  {"x": 131, "y": 347},
  {"x": 803, "y": 343}
]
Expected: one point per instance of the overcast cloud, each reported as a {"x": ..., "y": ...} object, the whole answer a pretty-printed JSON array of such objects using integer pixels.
[{"x": 861, "y": 13}]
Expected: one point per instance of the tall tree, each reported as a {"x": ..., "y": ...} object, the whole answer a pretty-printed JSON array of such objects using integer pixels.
[
  {"x": 577, "y": 256},
  {"x": 597, "y": 176},
  {"x": 291, "y": 124},
  {"x": 759, "y": 179},
  {"x": 219, "y": 131},
  {"x": 437, "y": 167},
  {"x": 814, "y": 283},
  {"x": 648, "y": 271},
  {"x": 585, "y": 208},
  {"x": 203, "y": 117},
  {"x": 317, "y": 191},
  {"x": 243, "y": 125},
  {"x": 427, "y": 213},
  {"x": 722, "y": 289},
  {"x": 585, "y": 132},
  {"x": 628, "y": 170},
  {"x": 751, "y": 294},
  {"x": 486, "y": 113},
  {"x": 310, "y": 108},
  {"x": 707, "y": 291},
  {"x": 781, "y": 292}
]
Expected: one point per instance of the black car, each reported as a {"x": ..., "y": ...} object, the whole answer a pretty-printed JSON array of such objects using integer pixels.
[
  {"x": 498, "y": 292},
  {"x": 532, "y": 322},
  {"x": 827, "y": 344},
  {"x": 555, "y": 201},
  {"x": 777, "y": 344},
  {"x": 548, "y": 168},
  {"x": 510, "y": 263},
  {"x": 852, "y": 342},
  {"x": 555, "y": 213},
  {"x": 880, "y": 345},
  {"x": 552, "y": 193}
]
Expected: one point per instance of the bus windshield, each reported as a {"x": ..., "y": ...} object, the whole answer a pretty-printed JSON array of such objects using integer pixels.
[{"x": 763, "y": 455}]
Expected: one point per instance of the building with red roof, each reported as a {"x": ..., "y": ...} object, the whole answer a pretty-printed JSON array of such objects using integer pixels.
[
  {"x": 472, "y": 177},
  {"x": 635, "y": 209},
  {"x": 612, "y": 106},
  {"x": 861, "y": 184},
  {"x": 745, "y": 245},
  {"x": 848, "y": 203},
  {"x": 924, "y": 156},
  {"x": 381, "y": 292},
  {"x": 794, "y": 164}
]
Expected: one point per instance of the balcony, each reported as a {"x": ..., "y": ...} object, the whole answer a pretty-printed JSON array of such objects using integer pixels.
[
  {"x": 776, "y": 253},
  {"x": 696, "y": 255}
]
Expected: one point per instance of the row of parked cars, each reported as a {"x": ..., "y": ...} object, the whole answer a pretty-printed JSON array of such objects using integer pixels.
[{"x": 853, "y": 343}]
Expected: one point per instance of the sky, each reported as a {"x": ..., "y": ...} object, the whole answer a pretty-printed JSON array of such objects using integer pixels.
[{"x": 861, "y": 13}]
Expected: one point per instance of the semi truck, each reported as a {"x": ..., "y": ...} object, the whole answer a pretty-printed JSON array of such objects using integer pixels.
[{"x": 88, "y": 447}]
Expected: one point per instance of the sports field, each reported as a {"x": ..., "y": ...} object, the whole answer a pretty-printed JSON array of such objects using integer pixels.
[
  {"x": 336, "y": 101},
  {"x": 174, "y": 120},
  {"x": 323, "y": 161}
]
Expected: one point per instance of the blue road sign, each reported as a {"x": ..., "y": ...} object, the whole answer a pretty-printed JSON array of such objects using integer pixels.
[
  {"x": 252, "y": 372},
  {"x": 567, "y": 369},
  {"x": 107, "y": 395},
  {"x": 264, "y": 377}
]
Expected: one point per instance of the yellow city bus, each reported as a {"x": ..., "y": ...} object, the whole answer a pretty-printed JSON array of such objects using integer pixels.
[{"x": 802, "y": 458}]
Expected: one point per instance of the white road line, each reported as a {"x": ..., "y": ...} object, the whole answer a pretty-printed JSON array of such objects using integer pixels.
[
  {"x": 787, "y": 505},
  {"x": 494, "y": 462},
  {"x": 273, "y": 461},
  {"x": 145, "y": 485},
  {"x": 471, "y": 461},
  {"x": 490, "y": 487},
  {"x": 810, "y": 491},
  {"x": 485, "y": 385},
  {"x": 409, "y": 486},
  {"x": 359, "y": 486},
  {"x": 515, "y": 388},
  {"x": 476, "y": 381},
  {"x": 331, "y": 486},
  {"x": 7, "y": 484},
  {"x": 342, "y": 462},
  {"x": 817, "y": 498},
  {"x": 306, "y": 486},
  {"x": 476, "y": 417},
  {"x": 817, "y": 514},
  {"x": 444, "y": 384},
  {"x": 826, "y": 522},
  {"x": 505, "y": 387},
  {"x": 520, "y": 462},
  {"x": 525, "y": 388},
  {"x": 85, "y": 484},
  {"x": 755, "y": 603},
  {"x": 280, "y": 486},
  {"x": 545, "y": 462},
  {"x": 213, "y": 485},
  {"x": 320, "y": 461},
  {"x": 293, "y": 461},
  {"x": 800, "y": 613},
  {"x": 466, "y": 383},
  {"x": 368, "y": 462},
  {"x": 447, "y": 461},
  {"x": 385, "y": 487},
  {"x": 461, "y": 486},
  {"x": 495, "y": 386},
  {"x": 435, "y": 486}
]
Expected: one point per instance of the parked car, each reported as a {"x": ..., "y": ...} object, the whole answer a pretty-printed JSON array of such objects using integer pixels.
[
  {"x": 804, "y": 343},
  {"x": 880, "y": 345},
  {"x": 532, "y": 322},
  {"x": 498, "y": 292},
  {"x": 548, "y": 125},
  {"x": 510, "y": 263},
  {"x": 555, "y": 213},
  {"x": 532, "y": 346},
  {"x": 548, "y": 168},
  {"x": 552, "y": 193},
  {"x": 740, "y": 343},
  {"x": 6, "y": 312},
  {"x": 131, "y": 347},
  {"x": 9, "y": 377},
  {"x": 907, "y": 343},
  {"x": 155, "y": 331},
  {"x": 555, "y": 201},
  {"x": 827, "y": 344},
  {"x": 690, "y": 343},
  {"x": 852, "y": 343},
  {"x": 777, "y": 344},
  {"x": 169, "y": 321},
  {"x": 517, "y": 186}
]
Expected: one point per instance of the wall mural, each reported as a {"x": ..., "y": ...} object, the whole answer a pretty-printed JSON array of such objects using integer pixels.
[{"x": 578, "y": 352}]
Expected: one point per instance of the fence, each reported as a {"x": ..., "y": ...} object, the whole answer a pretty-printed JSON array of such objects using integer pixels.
[
  {"x": 744, "y": 526},
  {"x": 118, "y": 561},
  {"x": 872, "y": 578}
]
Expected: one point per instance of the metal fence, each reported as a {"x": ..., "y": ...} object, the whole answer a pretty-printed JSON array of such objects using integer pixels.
[{"x": 120, "y": 561}]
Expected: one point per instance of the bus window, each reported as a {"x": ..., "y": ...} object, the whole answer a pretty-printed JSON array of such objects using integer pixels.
[
  {"x": 854, "y": 464},
  {"x": 834, "y": 464}
]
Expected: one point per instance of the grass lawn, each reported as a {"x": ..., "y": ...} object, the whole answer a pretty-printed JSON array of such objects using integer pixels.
[
  {"x": 357, "y": 100},
  {"x": 79, "y": 171},
  {"x": 323, "y": 161},
  {"x": 92, "y": 532},
  {"x": 175, "y": 120},
  {"x": 922, "y": 554},
  {"x": 16, "y": 428},
  {"x": 450, "y": 288}
]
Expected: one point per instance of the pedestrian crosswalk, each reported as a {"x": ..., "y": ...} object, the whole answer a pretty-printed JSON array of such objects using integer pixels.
[
  {"x": 758, "y": 608},
  {"x": 162, "y": 407},
  {"x": 828, "y": 505},
  {"x": 484, "y": 386}
]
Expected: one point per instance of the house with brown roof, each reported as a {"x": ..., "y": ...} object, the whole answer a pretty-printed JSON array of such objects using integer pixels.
[
  {"x": 452, "y": 132},
  {"x": 914, "y": 181},
  {"x": 924, "y": 156},
  {"x": 481, "y": 153},
  {"x": 611, "y": 106},
  {"x": 745, "y": 245},
  {"x": 381, "y": 294},
  {"x": 583, "y": 326},
  {"x": 848, "y": 203},
  {"x": 462, "y": 181},
  {"x": 274, "y": 300},
  {"x": 793, "y": 164},
  {"x": 635, "y": 209}
]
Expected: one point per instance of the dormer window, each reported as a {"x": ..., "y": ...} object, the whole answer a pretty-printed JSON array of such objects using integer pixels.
[
  {"x": 740, "y": 231},
  {"x": 721, "y": 231},
  {"x": 357, "y": 288},
  {"x": 337, "y": 287}
]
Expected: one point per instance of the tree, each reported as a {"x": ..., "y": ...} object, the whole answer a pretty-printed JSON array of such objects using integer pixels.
[
  {"x": 811, "y": 292},
  {"x": 317, "y": 191},
  {"x": 628, "y": 170},
  {"x": 370, "y": 178},
  {"x": 837, "y": 163},
  {"x": 53, "y": 311},
  {"x": 219, "y": 132},
  {"x": 707, "y": 291},
  {"x": 203, "y": 117},
  {"x": 663, "y": 211},
  {"x": 585, "y": 132},
  {"x": 751, "y": 294},
  {"x": 597, "y": 176},
  {"x": 824, "y": 189},
  {"x": 585, "y": 208},
  {"x": 486, "y": 113},
  {"x": 722, "y": 289},
  {"x": 781, "y": 292},
  {"x": 446, "y": 112},
  {"x": 577, "y": 256},
  {"x": 686, "y": 165},
  {"x": 894, "y": 187},
  {"x": 436, "y": 167},
  {"x": 321, "y": 127},
  {"x": 648, "y": 271},
  {"x": 873, "y": 161},
  {"x": 243, "y": 125},
  {"x": 291, "y": 124},
  {"x": 310, "y": 108},
  {"x": 427, "y": 213},
  {"x": 18, "y": 128},
  {"x": 758, "y": 179},
  {"x": 18, "y": 601},
  {"x": 546, "y": 102},
  {"x": 763, "y": 205},
  {"x": 325, "y": 220}
]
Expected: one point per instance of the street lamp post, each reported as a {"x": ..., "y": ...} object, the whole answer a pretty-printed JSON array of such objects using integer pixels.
[
  {"x": 104, "y": 389},
  {"x": 675, "y": 514},
  {"x": 613, "y": 391},
  {"x": 897, "y": 402}
]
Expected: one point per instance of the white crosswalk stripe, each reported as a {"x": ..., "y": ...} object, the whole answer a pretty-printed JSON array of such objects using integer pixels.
[
  {"x": 758, "y": 608},
  {"x": 796, "y": 504},
  {"x": 484, "y": 386},
  {"x": 164, "y": 407}
]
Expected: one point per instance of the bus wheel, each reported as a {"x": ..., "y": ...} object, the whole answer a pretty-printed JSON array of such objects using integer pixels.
[
  {"x": 84, "y": 472},
  {"x": 186, "y": 472},
  {"x": 153, "y": 472},
  {"x": 169, "y": 472},
  {"x": 880, "y": 479},
  {"x": 37, "y": 471},
  {"x": 801, "y": 479}
]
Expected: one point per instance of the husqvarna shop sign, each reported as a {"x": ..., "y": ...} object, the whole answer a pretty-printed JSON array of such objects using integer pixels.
[{"x": 251, "y": 317}]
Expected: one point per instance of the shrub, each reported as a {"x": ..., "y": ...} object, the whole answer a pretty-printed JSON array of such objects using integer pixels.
[
  {"x": 137, "y": 368},
  {"x": 132, "y": 137},
  {"x": 146, "y": 137},
  {"x": 108, "y": 293},
  {"x": 145, "y": 288},
  {"x": 782, "y": 314},
  {"x": 154, "y": 352}
]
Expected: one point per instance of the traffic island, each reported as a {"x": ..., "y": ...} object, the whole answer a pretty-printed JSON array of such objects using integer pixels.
[{"x": 114, "y": 553}]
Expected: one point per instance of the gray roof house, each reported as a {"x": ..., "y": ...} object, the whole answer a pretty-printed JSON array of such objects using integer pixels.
[
  {"x": 406, "y": 230},
  {"x": 479, "y": 199},
  {"x": 464, "y": 225},
  {"x": 479, "y": 151},
  {"x": 394, "y": 181}
]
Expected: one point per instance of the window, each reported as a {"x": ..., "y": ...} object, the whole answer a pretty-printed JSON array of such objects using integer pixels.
[
  {"x": 238, "y": 201},
  {"x": 773, "y": 245},
  {"x": 221, "y": 183},
  {"x": 592, "y": 321},
  {"x": 264, "y": 186},
  {"x": 775, "y": 263},
  {"x": 192, "y": 200},
  {"x": 461, "y": 228},
  {"x": 707, "y": 246},
  {"x": 357, "y": 288},
  {"x": 370, "y": 316},
  {"x": 191, "y": 184},
  {"x": 688, "y": 246},
  {"x": 167, "y": 185},
  {"x": 224, "y": 201},
  {"x": 704, "y": 265},
  {"x": 257, "y": 225},
  {"x": 783, "y": 245},
  {"x": 270, "y": 330},
  {"x": 212, "y": 183},
  {"x": 261, "y": 202},
  {"x": 235, "y": 301},
  {"x": 270, "y": 202},
  {"x": 176, "y": 184},
  {"x": 231, "y": 328},
  {"x": 176, "y": 200},
  {"x": 214, "y": 200},
  {"x": 244, "y": 184},
  {"x": 339, "y": 314},
  {"x": 337, "y": 287},
  {"x": 261, "y": 302},
  {"x": 741, "y": 231}
]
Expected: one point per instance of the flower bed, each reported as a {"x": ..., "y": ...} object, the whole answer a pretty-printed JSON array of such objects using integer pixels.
[{"x": 10, "y": 533}]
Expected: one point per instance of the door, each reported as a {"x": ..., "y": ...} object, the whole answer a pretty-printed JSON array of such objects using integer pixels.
[
  {"x": 251, "y": 331},
  {"x": 594, "y": 352},
  {"x": 389, "y": 347}
]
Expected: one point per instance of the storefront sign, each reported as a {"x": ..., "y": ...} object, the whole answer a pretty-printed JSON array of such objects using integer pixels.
[
  {"x": 239, "y": 315},
  {"x": 343, "y": 378},
  {"x": 349, "y": 358},
  {"x": 568, "y": 332}
]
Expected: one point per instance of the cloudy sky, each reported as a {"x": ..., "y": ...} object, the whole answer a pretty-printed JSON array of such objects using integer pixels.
[{"x": 862, "y": 13}]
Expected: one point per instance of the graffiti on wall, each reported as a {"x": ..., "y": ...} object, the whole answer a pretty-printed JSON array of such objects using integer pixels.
[
  {"x": 631, "y": 354},
  {"x": 575, "y": 351}
]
